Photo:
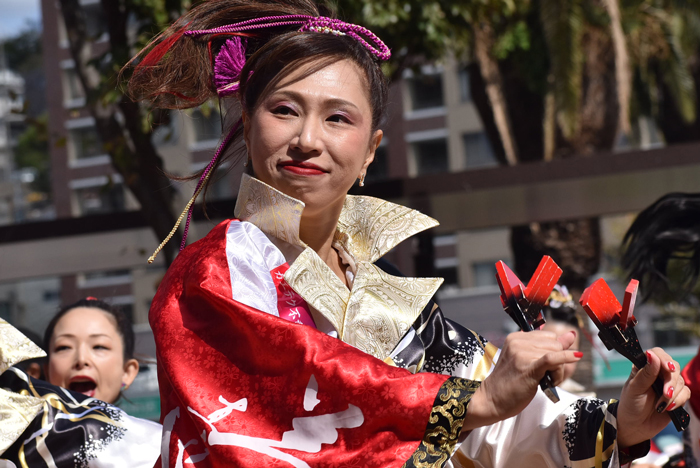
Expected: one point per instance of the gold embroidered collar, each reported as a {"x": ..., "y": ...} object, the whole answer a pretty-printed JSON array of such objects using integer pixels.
[
  {"x": 16, "y": 411},
  {"x": 380, "y": 308}
]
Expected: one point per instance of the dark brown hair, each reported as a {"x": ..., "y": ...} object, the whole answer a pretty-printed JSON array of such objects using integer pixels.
[{"x": 183, "y": 77}]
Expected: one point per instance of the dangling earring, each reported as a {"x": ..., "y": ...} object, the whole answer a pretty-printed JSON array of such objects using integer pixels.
[
  {"x": 247, "y": 161},
  {"x": 362, "y": 179}
]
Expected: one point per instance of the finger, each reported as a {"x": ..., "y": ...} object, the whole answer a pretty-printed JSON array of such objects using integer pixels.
[
  {"x": 557, "y": 375},
  {"x": 681, "y": 398},
  {"x": 567, "y": 339},
  {"x": 640, "y": 382},
  {"x": 555, "y": 360},
  {"x": 669, "y": 372},
  {"x": 679, "y": 389}
]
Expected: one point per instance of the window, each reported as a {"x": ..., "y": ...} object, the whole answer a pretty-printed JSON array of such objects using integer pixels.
[
  {"x": 670, "y": 332},
  {"x": 447, "y": 268},
  {"x": 478, "y": 150},
  {"x": 86, "y": 143},
  {"x": 484, "y": 273},
  {"x": 102, "y": 199},
  {"x": 449, "y": 274},
  {"x": 207, "y": 126},
  {"x": 95, "y": 21},
  {"x": 72, "y": 88},
  {"x": 465, "y": 91},
  {"x": 379, "y": 169},
  {"x": 51, "y": 296},
  {"x": 426, "y": 91},
  {"x": 446, "y": 261},
  {"x": 104, "y": 278},
  {"x": 431, "y": 156}
]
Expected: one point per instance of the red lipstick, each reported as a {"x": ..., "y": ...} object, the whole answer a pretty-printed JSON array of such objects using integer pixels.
[{"x": 301, "y": 168}]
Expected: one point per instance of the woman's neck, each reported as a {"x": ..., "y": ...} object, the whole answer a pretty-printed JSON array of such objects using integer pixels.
[{"x": 317, "y": 230}]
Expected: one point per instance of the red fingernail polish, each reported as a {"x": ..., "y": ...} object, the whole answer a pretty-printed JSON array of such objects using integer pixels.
[
  {"x": 648, "y": 356},
  {"x": 669, "y": 392},
  {"x": 578, "y": 354},
  {"x": 671, "y": 406},
  {"x": 671, "y": 366}
]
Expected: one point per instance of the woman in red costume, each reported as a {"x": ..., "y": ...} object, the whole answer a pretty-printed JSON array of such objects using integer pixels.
[{"x": 282, "y": 339}]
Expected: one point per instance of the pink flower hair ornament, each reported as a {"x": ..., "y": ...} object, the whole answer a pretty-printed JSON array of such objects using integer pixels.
[{"x": 229, "y": 63}]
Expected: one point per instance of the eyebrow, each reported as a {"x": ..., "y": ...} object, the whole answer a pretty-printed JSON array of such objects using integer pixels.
[
  {"x": 300, "y": 97},
  {"x": 94, "y": 335}
]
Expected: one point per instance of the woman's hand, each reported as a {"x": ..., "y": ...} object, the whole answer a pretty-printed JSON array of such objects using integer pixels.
[
  {"x": 524, "y": 359},
  {"x": 641, "y": 414}
]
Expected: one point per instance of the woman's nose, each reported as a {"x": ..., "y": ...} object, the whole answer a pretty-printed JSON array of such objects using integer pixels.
[
  {"x": 82, "y": 359},
  {"x": 308, "y": 139}
]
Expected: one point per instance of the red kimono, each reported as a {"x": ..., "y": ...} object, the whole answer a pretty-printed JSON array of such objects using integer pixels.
[{"x": 243, "y": 387}]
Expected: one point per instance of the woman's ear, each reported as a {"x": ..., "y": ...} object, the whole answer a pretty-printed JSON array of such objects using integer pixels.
[
  {"x": 131, "y": 369},
  {"x": 373, "y": 145}
]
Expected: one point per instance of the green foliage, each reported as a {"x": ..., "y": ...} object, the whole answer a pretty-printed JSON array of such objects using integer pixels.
[
  {"x": 516, "y": 36},
  {"x": 23, "y": 51},
  {"x": 563, "y": 25},
  {"x": 663, "y": 38}
]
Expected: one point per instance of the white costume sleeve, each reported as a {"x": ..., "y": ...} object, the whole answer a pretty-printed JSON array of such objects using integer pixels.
[{"x": 574, "y": 433}]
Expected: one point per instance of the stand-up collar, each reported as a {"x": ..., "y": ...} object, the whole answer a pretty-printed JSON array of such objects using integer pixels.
[{"x": 375, "y": 314}]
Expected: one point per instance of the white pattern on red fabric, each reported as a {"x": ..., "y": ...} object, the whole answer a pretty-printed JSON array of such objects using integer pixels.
[{"x": 290, "y": 305}]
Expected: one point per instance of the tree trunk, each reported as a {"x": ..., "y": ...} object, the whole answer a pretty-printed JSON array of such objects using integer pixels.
[
  {"x": 483, "y": 45},
  {"x": 130, "y": 148},
  {"x": 576, "y": 244},
  {"x": 623, "y": 74}
]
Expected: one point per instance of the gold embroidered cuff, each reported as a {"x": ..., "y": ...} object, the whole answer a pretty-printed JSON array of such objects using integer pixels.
[{"x": 444, "y": 425}]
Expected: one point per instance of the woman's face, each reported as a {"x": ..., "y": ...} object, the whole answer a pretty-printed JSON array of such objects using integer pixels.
[
  {"x": 311, "y": 139},
  {"x": 86, "y": 355}
]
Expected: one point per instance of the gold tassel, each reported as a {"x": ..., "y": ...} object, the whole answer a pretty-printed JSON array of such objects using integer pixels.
[{"x": 152, "y": 258}]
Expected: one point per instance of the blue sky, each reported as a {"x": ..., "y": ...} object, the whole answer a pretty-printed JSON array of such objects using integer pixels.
[{"x": 14, "y": 15}]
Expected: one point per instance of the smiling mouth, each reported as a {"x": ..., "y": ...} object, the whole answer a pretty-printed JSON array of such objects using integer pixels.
[{"x": 86, "y": 387}]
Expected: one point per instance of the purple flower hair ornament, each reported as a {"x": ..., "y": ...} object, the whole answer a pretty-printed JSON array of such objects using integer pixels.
[{"x": 228, "y": 66}]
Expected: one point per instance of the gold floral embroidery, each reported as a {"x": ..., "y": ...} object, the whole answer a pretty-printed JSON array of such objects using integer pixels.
[
  {"x": 321, "y": 288},
  {"x": 275, "y": 213},
  {"x": 380, "y": 308},
  {"x": 15, "y": 347},
  {"x": 372, "y": 226},
  {"x": 16, "y": 411},
  {"x": 445, "y": 424}
]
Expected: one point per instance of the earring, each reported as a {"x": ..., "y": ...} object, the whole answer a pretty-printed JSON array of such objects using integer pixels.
[
  {"x": 362, "y": 179},
  {"x": 247, "y": 161}
]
